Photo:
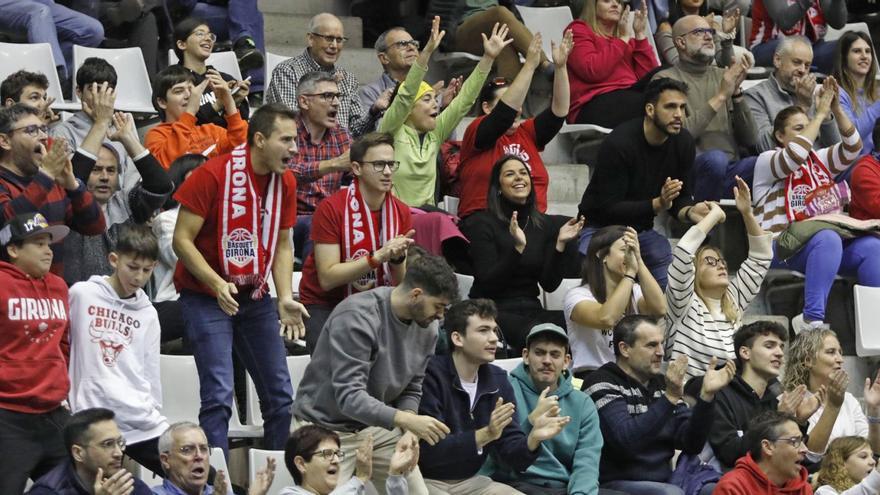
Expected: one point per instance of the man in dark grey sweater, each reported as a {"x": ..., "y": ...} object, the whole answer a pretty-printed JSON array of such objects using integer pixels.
[{"x": 375, "y": 347}]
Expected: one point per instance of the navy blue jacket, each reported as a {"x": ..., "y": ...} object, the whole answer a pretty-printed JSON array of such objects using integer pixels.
[
  {"x": 62, "y": 480},
  {"x": 455, "y": 457}
]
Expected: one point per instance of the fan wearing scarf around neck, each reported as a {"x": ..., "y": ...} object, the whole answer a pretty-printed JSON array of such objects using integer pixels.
[
  {"x": 795, "y": 190},
  {"x": 418, "y": 126},
  {"x": 361, "y": 234},
  {"x": 232, "y": 233}
]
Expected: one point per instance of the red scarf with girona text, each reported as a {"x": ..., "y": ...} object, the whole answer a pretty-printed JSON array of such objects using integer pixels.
[{"x": 360, "y": 238}]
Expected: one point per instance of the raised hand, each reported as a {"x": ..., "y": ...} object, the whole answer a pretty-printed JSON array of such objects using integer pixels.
[
  {"x": 569, "y": 230},
  {"x": 547, "y": 426},
  {"x": 561, "y": 51},
  {"x": 395, "y": 248},
  {"x": 519, "y": 236},
  {"x": 675, "y": 375},
  {"x": 123, "y": 127},
  {"x": 716, "y": 379},
  {"x": 872, "y": 395},
  {"x": 264, "y": 478},
  {"x": 240, "y": 90},
  {"x": 835, "y": 389},
  {"x": 220, "y": 486},
  {"x": 830, "y": 84},
  {"x": 364, "y": 460},
  {"x": 742, "y": 195},
  {"x": 716, "y": 212},
  {"x": 501, "y": 416},
  {"x": 730, "y": 21},
  {"x": 121, "y": 483},
  {"x": 451, "y": 91},
  {"x": 436, "y": 37},
  {"x": 98, "y": 101},
  {"x": 809, "y": 405},
  {"x": 670, "y": 190},
  {"x": 55, "y": 159},
  {"x": 493, "y": 44},
  {"x": 825, "y": 100},
  {"x": 624, "y": 28},
  {"x": 640, "y": 22},
  {"x": 545, "y": 403},
  {"x": 45, "y": 108},
  {"x": 291, "y": 314},
  {"x": 803, "y": 88},
  {"x": 534, "y": 52},
  {"x": 791, "y": 400},
  {"x": 405, "y": 457},
  {"x": 195, "y": 96}
]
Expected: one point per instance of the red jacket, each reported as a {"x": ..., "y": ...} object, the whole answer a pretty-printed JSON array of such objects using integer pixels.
[
  {"x": 34, "y": 341},
  {"x": 865, "y": 183},
  {"x": 746, "y": 478}
]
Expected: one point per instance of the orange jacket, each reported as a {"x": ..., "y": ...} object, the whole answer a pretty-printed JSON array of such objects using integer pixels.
[{"x": 168, "y": 141}]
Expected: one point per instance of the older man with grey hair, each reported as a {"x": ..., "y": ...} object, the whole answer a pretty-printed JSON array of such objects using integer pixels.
[
  {"x": 718, "y": 117},
  {"x": 325, "y": 41},
  {"x": 184, "y": 453},
  {"x": 790, "y": 84},
  {"x": 396, "y": 50}
]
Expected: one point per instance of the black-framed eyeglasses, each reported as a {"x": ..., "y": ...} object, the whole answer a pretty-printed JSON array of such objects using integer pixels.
[
  {"x": 402, "y": 44},
  {"x": 205, "y": 34},
  {"x": 339, "y": 40},
  {"x": 713, "y": 261},
  {"x": 110, "y": 444},
  {"x": 329, "y": 453},
  {"x": 793, "y": 441},
  {"x": 379, "y": 165},
  {"x": 33, "y": 130},
  {"x": 326, "y": 96},
  {"x": 701, "y": 32}
]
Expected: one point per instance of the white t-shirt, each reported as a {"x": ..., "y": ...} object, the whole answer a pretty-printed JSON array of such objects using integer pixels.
[
  {"x": 851, "y": 421},
  {"x": 471, "y": 389},
  {"x": 590, "y": 347}
]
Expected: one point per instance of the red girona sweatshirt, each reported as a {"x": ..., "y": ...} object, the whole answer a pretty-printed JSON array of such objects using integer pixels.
[
  {"x": 747, "y": 478},
  {"x": 34, "y": 341}
]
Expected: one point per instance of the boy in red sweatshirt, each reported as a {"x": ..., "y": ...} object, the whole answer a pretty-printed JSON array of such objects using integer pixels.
[
  {"x": 773, "y": 463},
  {"x": 34, "y": 351},
  {"x": 177, "y": 100}
]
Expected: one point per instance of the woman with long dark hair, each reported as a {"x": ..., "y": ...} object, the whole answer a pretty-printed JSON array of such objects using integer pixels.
[
  {"x": 856, "y": 70},
  {"x": 515, "y": 248}
]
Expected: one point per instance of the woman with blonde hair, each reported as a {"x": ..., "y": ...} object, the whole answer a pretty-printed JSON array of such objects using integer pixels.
[
  {"x": 705, "y": 306},
  {"x": 814, "y": 361},
  {"x": 848, "y": 468}
]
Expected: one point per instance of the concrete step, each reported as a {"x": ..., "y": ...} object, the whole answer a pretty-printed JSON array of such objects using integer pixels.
[
  {"x": 304, "y": 7},
  {"x": 361, "y": 62},
  {"x": 292, "y": 29},
  {"x": 567, "y": 209},
  {"x": 567, "y": 182}
]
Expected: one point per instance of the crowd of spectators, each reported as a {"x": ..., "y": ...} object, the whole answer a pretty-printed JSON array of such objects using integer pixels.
[{"x": 112, "y": 246}]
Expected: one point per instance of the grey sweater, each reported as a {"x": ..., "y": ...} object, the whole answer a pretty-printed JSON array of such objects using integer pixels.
[
  {"x": 731, "y": 127},
  {"x": 766, "y": 100},
  {"x": 367, "y": 365}
]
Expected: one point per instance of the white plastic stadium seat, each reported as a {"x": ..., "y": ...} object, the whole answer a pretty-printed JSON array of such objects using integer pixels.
[
  {"x": 867, "y": 308},
  {"x": 271, "y": 61},
  {"x": 133, "y": 90},
  {"x": 34, "y": 57},
  {"x": 257, "y": 460},
  {"x": 223, "y": 61},
  {"x": 507, "y": 364},
  {"x": 450, "y": 204},
  {"x": 549, "y": 21},
  {"x": 464, "y": 285},
  {"x": 554, "y": 301},
  {"x": 296, "y": 366}
]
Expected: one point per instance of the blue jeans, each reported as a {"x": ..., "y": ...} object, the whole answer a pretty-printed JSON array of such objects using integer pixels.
[
  {"x": 715, "y": 174},
  {"x": 44, "y": 21},
  {"x": 253, "y": 335},
  {"x": 302, "y": 238},
  {"x": 824, "y": 256},
  {"x": 823, "y": 54},
  {"x": 239, "y": 19},
  {"x": 655, "y": 248}
]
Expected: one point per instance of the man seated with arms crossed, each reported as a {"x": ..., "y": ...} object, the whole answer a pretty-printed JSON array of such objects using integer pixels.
[
  {"x": 96, "y": 447},
  {"x": 642, "y": 416},
  {"x": 376, "y": 345},
  {"x": 772, "y": 464},
  {"x": 567, "y": 464},
  {"x": 475, "y": 400}
]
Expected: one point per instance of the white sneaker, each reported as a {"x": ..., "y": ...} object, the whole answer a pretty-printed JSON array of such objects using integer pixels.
[{"x": 799, "y": 324}]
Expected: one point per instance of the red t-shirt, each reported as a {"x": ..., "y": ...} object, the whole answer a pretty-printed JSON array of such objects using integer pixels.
[
  {"x": 865, "y": 183},
  {"x": 328, "y": 226},
  {"x": 476, "y": 165},
  {"x": 201, "y": 194}
]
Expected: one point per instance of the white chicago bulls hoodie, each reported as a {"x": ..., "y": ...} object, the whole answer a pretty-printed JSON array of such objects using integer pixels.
[{"x": 114, "y": 357}]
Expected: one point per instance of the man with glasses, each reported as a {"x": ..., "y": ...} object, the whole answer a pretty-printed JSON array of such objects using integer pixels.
[
  {"x": 325, "y": 41},
  {"x": 719, "y": 119},
  {"x": 36, "y": 177},
  {"x": 95, "y": 448},
  {"x": 323, "y": 158},
  {"x": 396, "y": 50},
  {"x": 772, "y": 464},
  {"x": 360, "y": 234},
  {"x": 185, "y": 456}
]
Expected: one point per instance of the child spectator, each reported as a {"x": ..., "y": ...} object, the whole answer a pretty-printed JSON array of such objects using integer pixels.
[{"x": 849, "y": 468}]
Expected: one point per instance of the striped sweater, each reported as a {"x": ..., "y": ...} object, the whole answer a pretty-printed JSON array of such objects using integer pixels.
[
  {"x": 691, "y": 329},
  {"x": 773, "y": 168}
]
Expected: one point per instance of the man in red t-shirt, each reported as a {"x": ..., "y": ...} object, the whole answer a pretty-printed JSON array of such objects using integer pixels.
[
  {"x": 236, "y": 212},
  {"x": 497, "y": 132},
  {"x": 360, "y": 234}
]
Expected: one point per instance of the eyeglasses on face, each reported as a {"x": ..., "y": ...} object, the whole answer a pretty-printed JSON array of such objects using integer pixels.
[
  {"x": 793, "y": 441},
  {"x": 110, "y": 444},
  {"x": 205, "y": 34},
  {"x": 402, "y": 44},
  {"x": 339, "y": 40},
  {"x": 379, "y": 165},
  {"x": 190, "y": 450},
  {"x": 329, "y": 453},
  {"x": 327, "y": 96},
  {"x": 33, "y": 130},
  {"x": 701, "y": 32},
  {"x": 713, "y": 261}
]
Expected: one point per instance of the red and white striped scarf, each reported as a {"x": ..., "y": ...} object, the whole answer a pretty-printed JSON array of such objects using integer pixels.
[{"x": 360, "y": 239}]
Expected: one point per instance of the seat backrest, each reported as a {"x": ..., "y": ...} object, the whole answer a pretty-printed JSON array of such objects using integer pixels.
[
  {"x": 296, "y": 366},
  {"x": 554, "y": 301},
  {"x": 835, "y": 34},
  {"x": 180, "y": 388},
  {"x": 867, "y": 309},
  {"x": 507, "y": 364},
  {"x": 257, "y": 460},
  {"x": 32, "y": 57},
  {"x": 464, "y": 285},
  {"x": 133, "y": 90},
  {"x": 271, "y": 61},
  {"x": 218, "y": 461},
  {"x": 549, "y": 21},
  {"x": 223, "y": 61}
]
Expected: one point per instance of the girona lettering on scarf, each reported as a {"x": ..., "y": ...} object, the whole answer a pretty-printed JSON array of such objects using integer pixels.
[
  {"x": 26, "y": 308},
  {"x": 357, "y": 221},
  {"x": 239, "y": 181}
]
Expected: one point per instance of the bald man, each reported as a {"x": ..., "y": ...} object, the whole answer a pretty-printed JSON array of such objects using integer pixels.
[
  {"x": 718, "y": 117},
  {"x": 324, "y": 43}
]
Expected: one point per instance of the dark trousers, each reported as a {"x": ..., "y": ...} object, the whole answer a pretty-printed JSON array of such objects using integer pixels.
[
  {"x": 517, "y": 316},
  {"x": 31, "y": 445},
  {"x": 614, "y": 108},
  {"x": 317, "y": 317}
]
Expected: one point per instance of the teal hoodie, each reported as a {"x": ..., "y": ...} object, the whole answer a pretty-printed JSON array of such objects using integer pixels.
[{"x": 569, "y": 459}]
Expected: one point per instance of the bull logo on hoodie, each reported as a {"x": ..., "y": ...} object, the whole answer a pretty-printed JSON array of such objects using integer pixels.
[{"x": 112, "y": 334}]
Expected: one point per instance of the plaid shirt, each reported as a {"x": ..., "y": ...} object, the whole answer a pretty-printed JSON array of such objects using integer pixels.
[
  {"x": 351, "y": 114},
  {"x": 311, "y": 187}
]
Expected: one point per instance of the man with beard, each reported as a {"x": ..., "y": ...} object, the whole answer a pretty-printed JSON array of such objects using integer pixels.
[
  {"x": 644, "y": 168},
  {"x": 375, "y": 347},
  {"x": 719, "y": 118},
  {"x": 790, "y": 84},
  {"x": 96, "y": 448},
  {"x": 33, "y": 179}
]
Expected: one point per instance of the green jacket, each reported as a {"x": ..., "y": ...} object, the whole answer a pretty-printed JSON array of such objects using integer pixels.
[
  {"x": 416, "y": 179},
  {"x": 570, "y": 459}
]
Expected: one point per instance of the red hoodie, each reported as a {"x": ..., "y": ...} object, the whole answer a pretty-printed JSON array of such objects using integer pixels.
[
  {"x": 34, "y": 341},
  {"x": 746, "y": 478}
]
